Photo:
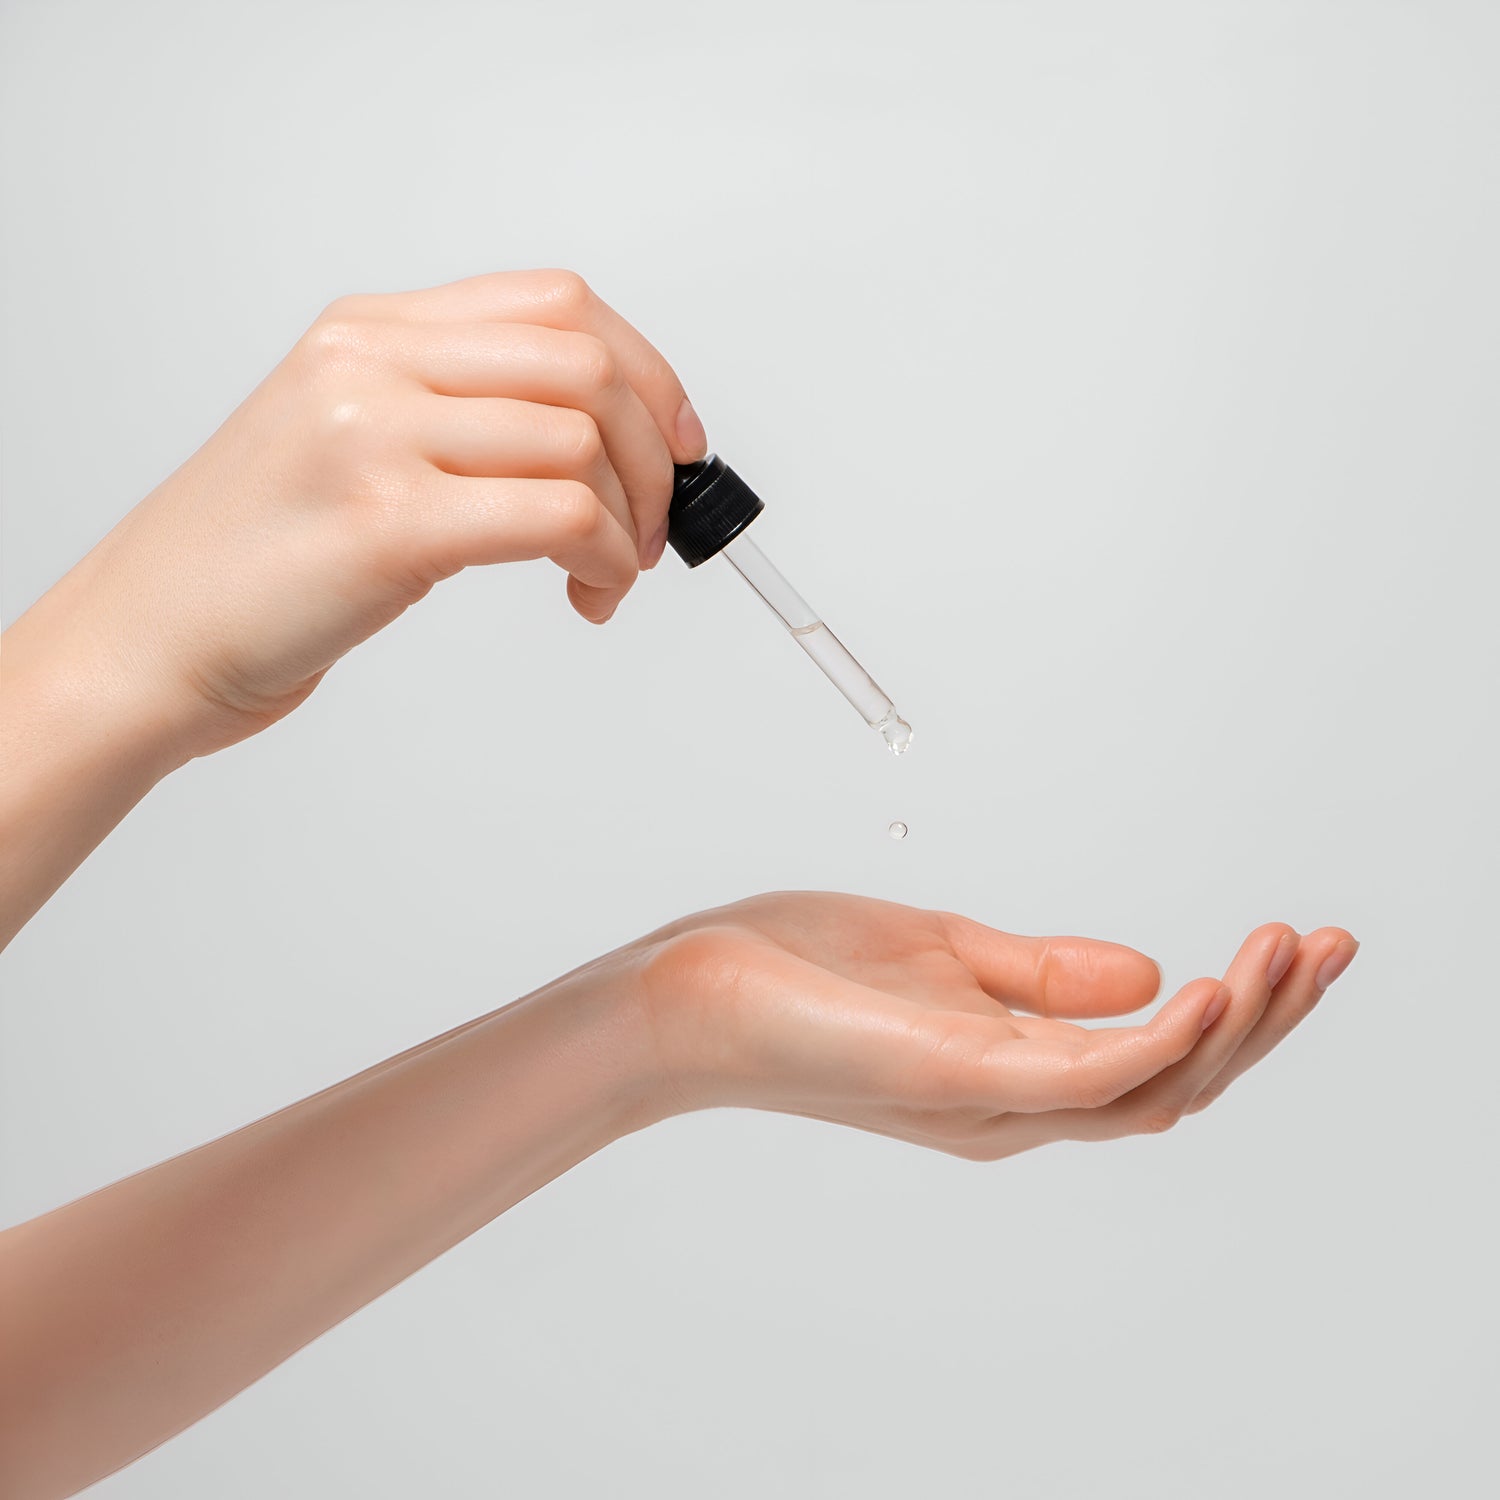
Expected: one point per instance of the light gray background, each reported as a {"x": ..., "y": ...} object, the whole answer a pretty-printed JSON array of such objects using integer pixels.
[{"x": 1122, "y": 380}]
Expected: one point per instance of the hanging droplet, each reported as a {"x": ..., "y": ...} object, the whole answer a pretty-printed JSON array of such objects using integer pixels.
[{"x": 896, "y": 732}]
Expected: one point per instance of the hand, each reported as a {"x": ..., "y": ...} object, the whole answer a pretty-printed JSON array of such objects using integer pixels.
[
  {"x": 404, "y": 438},
  {"x": 128, "y": 1313},
  {"x": 934, "y": 1029}
]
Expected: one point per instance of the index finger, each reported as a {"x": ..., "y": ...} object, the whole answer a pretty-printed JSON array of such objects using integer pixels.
[
  {"x": 1029, "y": 1075},
  {"x": 563, "y": 299}
]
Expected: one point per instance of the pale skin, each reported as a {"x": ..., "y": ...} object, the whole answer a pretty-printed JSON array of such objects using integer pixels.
[{"x": 505, "y": 418}]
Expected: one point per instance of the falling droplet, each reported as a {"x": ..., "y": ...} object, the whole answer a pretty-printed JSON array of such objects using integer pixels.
[{"x": 897, "y": 830}]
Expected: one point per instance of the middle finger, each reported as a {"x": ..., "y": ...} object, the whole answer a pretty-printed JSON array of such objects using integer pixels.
[
  {"x": 553, "y": 367},
  {"x": 1158, "y": 1104},
  {"x": 500, "y": 438}
]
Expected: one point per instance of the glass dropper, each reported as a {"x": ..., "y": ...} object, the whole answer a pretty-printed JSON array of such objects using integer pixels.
[
  {"x": 820, "y": 643},
  {"x": 711, "y": 507}
]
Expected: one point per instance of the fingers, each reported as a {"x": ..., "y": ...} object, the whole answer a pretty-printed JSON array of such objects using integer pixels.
[
  {"x": 1273, "y": 984},
  {"x": 499, "y": 438},
  {"x": 971, "y": 1086},
  {"x": 563, "y": 300},
  {"x": 1030, "y": 1075},
  {"x": 454, "y": 522},
  {"x": 1262, "y": 961},
  {"x": 1321, "y": 957},
  {"x": 1057, "y": 976},
  {"x": 654, "y": 380},
  {"x": 988, "y": 1087},
  {"x": 554, "y": 368}
]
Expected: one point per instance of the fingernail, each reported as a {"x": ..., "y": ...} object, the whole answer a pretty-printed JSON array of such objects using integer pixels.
[
  {"x": 1281, "y": 960},
  {"x": 1335, "y": 964},
  {"x": 651, "y": 554},
  {"x": 1216, "y": 1006},
  {"x": 690, "y": 431}
]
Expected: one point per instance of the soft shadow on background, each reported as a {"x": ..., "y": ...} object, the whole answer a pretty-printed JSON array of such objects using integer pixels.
[{"x": 1121, "y": 381}]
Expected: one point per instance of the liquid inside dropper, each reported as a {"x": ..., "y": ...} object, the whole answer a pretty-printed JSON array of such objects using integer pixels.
[
  {"x": 808, "y": 630},
  {"x": 856, "y": 684}
]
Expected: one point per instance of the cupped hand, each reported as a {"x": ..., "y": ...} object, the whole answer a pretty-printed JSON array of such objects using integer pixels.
[
  {"x": 404, "y": 438},
  {"x": 936, "y": 1029}
]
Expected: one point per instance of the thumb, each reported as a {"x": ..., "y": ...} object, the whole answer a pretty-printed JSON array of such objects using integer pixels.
[{"x": 1066, "y": 977}]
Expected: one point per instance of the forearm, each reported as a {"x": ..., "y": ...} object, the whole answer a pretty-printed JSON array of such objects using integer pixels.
[
  {"x": 82, "y": 740},
  {"x": 131, "y": 1313}
]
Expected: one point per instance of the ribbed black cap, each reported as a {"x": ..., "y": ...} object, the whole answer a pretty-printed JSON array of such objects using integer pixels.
[{"x": 711, "y": 505}]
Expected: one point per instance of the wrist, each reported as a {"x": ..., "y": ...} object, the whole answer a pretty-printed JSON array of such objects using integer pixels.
[
  {"x": 687, "y": 989},
  {"x": 602, "y": 1011},
  {"x": 78, "y": 747},
  {"x": 87, "y": 687},
  {"x": 71, "y": 712}
]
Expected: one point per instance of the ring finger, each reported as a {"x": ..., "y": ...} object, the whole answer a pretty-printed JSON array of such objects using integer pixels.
[{"x": 1158, "y": 1104}]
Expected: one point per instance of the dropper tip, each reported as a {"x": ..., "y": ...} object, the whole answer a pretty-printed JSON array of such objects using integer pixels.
[{"x": 896, "y": 732}]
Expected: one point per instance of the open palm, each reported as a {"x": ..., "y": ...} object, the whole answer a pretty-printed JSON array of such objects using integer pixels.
[{"x": 939, "y": 1030}]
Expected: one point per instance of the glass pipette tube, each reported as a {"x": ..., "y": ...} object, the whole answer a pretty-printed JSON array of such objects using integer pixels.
[{"x": 820, "y": 643}]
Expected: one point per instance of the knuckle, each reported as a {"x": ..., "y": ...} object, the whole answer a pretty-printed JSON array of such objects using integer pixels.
[
  {"x": 1093, "y": 1095},
  {"x": 578, "y": 511},
  {"x": 595, "y": 602},
  {"x": 342, "y": 427},
  {"x": 349, "y": 306},
  {"x": 1157, "y": 1119},
  {"x": 340, "y": 335},
  {"x": 581, "y": 443},
  {"x": 567, "y": 291},
  {"x": 1088, "y": 1089},
  {"x": 348, "y": 423},
  {"x": 595, "y": 366}
]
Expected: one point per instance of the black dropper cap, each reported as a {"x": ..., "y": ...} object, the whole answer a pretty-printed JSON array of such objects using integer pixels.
[{"x": 711, "y": 505}]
